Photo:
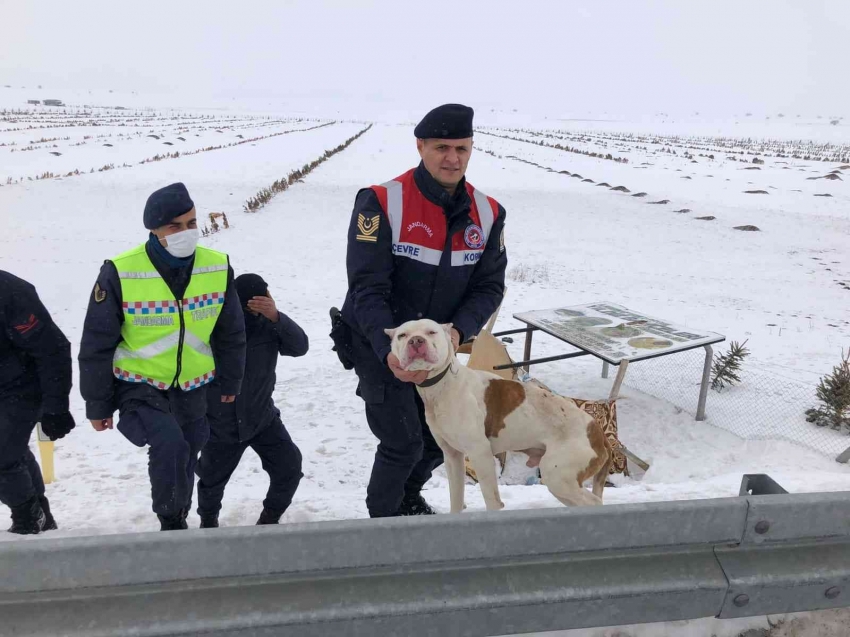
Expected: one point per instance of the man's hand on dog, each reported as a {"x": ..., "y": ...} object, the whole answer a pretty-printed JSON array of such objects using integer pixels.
[{"x": 403, "y": 375}]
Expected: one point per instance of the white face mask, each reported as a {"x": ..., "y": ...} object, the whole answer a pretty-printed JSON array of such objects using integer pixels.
[{"x": 182, "y": 244}]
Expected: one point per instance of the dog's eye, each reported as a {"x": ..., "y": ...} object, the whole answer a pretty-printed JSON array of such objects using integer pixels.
[
  {"x": 432, "y": 333},
  {"x": 401, "y": 337}
]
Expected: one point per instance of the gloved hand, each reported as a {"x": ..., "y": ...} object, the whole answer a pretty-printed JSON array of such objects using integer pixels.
[{"x": 57, "y": 426}]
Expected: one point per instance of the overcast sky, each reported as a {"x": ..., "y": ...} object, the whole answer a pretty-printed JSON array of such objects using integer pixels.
[{"x": 676, "y": 56}]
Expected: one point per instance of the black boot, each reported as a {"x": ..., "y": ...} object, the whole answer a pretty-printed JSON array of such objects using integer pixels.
[
  {"x": 172, "y": 522},
  {"x": 28, "y": 518},
  {"x": 414, "y": 504},
  {"x": 209, "y": 521},
  {"x": 268, "y": 516},
  {"x": 49, "y": 522}
]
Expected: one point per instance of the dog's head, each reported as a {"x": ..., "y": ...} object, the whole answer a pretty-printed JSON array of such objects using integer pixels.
[{"x": 422, "y": 345}]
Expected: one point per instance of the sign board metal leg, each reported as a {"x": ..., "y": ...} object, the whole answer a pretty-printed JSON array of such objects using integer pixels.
[
  {"x": 529, "y": 333},
  {"x": 621, "y": 375},
  {"x": 615, "y": 393},
  {"x": 706, "y": 377},
  {"x": 643, "y": 464},
  {"x": 605, "y": 368}
]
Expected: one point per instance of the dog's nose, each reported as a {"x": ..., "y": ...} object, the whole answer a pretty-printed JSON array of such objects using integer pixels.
[{"x": 416, "y": 342}]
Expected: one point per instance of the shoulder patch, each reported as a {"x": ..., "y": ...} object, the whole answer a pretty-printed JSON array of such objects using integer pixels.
[
  {"x": 368, "y": 227},
  {"x": 27, "y": 326},
  {"x": 502, "y": 240},
  {"x": 99, "y": 293}
]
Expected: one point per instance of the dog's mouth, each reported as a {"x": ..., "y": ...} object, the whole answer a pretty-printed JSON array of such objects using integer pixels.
[
  {"x": 418, "y": 365},
  {"x": 422, "y": 352},
  {"x": 422, "y": 358}
]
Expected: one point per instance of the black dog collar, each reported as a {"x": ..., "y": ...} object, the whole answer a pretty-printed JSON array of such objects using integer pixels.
[{"x": 430, "y": 382}]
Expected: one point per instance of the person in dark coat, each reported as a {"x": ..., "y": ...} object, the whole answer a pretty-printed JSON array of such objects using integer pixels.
[
  {"x": 426, "y": 244},
  {"x": 163, "y": 320},
  {"x": 253, "y": 420},
  {"x": 35, "y": 380}
]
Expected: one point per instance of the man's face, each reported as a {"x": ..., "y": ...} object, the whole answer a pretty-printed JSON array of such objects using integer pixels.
[
  {"x": 445, "y": 159},
  {"x": 187, "y": 221}
]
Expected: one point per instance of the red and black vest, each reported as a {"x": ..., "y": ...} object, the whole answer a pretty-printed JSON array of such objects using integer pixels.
[{"x": 419, "y": 226}]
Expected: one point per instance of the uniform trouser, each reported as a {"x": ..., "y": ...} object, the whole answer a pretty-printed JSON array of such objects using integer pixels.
[
  {"x": 281, "y": 461},
  {"x": 20, "y": 475},
  {"x": 173, "y": 448},
  {"x": 407, "y": 452}
]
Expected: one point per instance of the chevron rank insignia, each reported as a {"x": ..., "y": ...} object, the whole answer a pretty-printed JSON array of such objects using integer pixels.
[
  {"x": 368, "y": 228},
  {"x": 99, "y": 293}
]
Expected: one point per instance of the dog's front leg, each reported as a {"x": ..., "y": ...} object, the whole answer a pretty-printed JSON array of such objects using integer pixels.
[
  {"x": 482, "y": 461},
  {"x": 455, "y": 471}
]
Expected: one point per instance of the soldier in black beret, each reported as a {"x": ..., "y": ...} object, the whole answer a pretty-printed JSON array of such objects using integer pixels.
[
  {"x": 423, "y": 245},
  {"x": 164, "y": 321}
]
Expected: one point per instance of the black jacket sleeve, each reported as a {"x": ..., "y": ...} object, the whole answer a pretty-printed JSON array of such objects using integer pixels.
[
  {"x": 228, "y": 342},
  {"x": 31, "y": 329},
  {"x": 101, "y": 335},
  {"x": 370, "y": 267},
  {"x": 486, "y": 288},
  {"x": 292, "y": 341}
]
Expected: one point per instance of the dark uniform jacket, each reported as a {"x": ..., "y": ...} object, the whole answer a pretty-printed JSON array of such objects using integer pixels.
[
  {"x": 35, "y": 356},
  {"x": 387, "y": 289},
  {"x": 254, "y": 409},
  {"x": 104, "y": 393}
]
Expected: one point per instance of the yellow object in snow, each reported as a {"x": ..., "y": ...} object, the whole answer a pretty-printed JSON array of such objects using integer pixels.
[{"x": 45, "y": 450}]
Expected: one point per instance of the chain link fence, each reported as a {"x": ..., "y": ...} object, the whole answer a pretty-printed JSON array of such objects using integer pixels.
[{"x": 762, "y": 406}]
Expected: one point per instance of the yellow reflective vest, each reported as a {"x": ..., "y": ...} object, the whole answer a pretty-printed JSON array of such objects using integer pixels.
[{"x": 166, "y": 341}]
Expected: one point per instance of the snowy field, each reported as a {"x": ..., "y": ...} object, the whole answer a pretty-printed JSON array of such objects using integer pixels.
[{"x": 569, "y": 241}]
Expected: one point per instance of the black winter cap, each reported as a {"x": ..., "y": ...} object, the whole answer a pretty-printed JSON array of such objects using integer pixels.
[
  {"x": 165, "y": 204},
  {"x": 250, "y": 285},
  {"x": 449, "y": 121}
]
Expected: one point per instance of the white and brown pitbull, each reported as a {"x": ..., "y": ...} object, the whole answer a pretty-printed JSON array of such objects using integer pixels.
[{"x": 477, "y": 414}]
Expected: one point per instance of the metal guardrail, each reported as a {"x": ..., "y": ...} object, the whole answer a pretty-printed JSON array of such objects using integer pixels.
[{"x": 470, "y": 574}]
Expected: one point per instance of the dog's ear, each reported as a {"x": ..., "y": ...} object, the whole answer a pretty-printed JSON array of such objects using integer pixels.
[
  {"x": 390, "y": 333},
  {"x": 447, "y": 329}
]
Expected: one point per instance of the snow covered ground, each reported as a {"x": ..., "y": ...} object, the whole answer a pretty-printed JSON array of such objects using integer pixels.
[{"x": 576, "y": 243}]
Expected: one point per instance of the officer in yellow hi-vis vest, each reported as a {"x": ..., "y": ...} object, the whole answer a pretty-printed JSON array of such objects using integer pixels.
[{"x": 163, "y": 320}]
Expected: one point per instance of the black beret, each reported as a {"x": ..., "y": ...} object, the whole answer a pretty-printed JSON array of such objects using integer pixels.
[
  {"x": 165, "y": 204},
  {"x": 250, "y": 285},
  {"x": 449, "y": 121}
]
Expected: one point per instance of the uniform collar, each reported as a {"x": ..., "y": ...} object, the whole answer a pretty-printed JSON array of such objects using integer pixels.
[
  {"x": 438, "y": 195},
  {"x": 162, "y": 257}
]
